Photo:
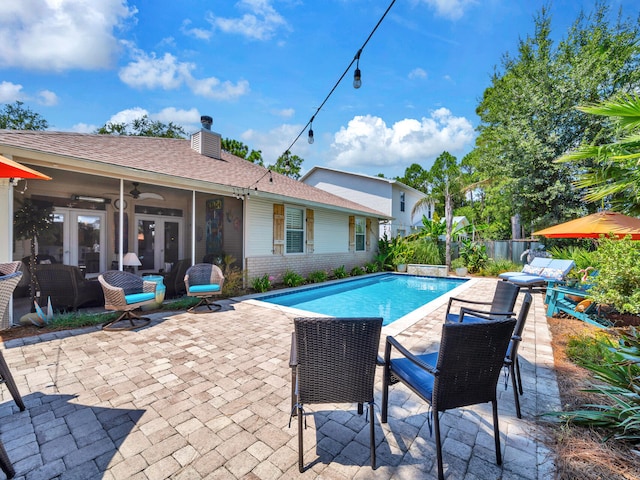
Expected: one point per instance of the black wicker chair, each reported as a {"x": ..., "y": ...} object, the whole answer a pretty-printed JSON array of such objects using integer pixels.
[
  {"x": 501, "y": 306},
  {"x": 174, "y": 279},
  {"x": 334, "y": 361},
  {"x": 511, "y": 360},
  {"x": 204, "y": 280},
  {"x": 464, "y": 372},
  {"x": 67, "y": 288},
  {"x": 7, "y": 284},
  {"x": 125, "y": 292}
]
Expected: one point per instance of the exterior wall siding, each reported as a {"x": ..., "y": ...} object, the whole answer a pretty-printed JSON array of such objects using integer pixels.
[{"x": 331, "y": 232}]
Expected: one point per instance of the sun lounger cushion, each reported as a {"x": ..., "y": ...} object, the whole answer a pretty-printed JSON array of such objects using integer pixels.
[{"x": 534, "y": 268}]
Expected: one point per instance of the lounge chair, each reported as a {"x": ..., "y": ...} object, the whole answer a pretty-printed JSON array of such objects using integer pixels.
[
  {"x": 534, "y": 268},
  {"x": 555, "y": 271}
]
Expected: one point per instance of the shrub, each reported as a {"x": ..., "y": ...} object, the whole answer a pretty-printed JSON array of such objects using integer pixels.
[
  {"x": 474, "y": 255},
  {"x": 618, "y": 368},
  {"x": 261, "y": 284},
  {"x": 493, "y": 268},
  {"x": 425, "y": 251},
  {"x": 617, "y": 283},
  {"x": 355, "y": 271},
  {"x": 292, "y": 279},
  {"x": 232, "y": 281},
  {"x": 318, "y": 276},
  {"x": 340, "y": 272},
  {"x": 371, "y": 267}
]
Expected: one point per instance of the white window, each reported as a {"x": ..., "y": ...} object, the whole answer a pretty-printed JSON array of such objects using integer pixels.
[
  {"x": 294, "y": 227},
  {"x": 361, "y": 229}
]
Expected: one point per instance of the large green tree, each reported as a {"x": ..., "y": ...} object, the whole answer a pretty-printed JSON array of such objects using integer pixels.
[
  {"x": 528, "y": 115},
  {"x": 143, "y": 127},
  {"x": 16, "y": 116},
  {"x": 241, "y": 150}
]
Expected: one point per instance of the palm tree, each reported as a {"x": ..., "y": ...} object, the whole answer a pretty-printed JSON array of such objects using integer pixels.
[{"x": 614, "y": 176}]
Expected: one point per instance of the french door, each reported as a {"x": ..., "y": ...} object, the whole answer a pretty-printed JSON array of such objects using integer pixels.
[
  {"x": 159, "y": 241},
  {"x": 77, "y": 237}
]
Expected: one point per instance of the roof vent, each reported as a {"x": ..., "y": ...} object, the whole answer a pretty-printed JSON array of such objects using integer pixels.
[{"x": 206, "y": 121}]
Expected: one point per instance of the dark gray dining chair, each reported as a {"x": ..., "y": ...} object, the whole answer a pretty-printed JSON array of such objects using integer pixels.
[
  {"x": 500, "y": 306},
  {"x": 334, "y": 361},
  {"x": 463, "y": 372}
]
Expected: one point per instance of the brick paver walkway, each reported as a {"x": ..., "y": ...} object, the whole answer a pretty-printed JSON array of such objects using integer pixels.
[{"x": 208, "y": 396}]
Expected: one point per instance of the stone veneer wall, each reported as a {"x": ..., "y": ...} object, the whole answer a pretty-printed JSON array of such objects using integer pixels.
[{"x": 276, "y": 265}]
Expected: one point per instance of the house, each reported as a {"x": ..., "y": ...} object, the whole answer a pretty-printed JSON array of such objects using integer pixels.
[
  {"x": 391, "y": 197},
  {"x": 176, "y": 199}
]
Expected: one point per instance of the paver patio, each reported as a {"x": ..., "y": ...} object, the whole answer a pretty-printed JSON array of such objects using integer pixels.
[{"x": 208, "y": 396}]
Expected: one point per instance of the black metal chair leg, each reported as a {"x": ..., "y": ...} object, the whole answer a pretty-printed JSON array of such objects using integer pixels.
[
  {"x": 300, "y": 442},
  {"x": 135, "y": 321},
  {"x": 372, "y": 436},
  {"x": 496, "y": 432},
  {"x": 436, "y": 427},
  {"x": 7, "y": 378}
]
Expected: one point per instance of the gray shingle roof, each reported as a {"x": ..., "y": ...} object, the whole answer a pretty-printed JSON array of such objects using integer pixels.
[{"x": 173, "y": 158}]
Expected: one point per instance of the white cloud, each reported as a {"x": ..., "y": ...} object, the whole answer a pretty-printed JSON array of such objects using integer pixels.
[
  {"x": 84, "y": 128},
  {"x": 167, "y": 73},
  {"x": 368, "y": 141},
  {"x": 452, "y": 9},
  {"x": 10, "y": 92},
  {"x": 62, "y": 34},
  {"x": 417, "y": 73},
  {"x": 47, "y": 98},
  {"x": 285, "y": 112},
  {"x": 198, "y": 33},
  {"x": 177, "y": 116},
  {"x": 259, "y": 23},
  {"x": 128, "y": 115},
  {"x": 274, "y": 142}
]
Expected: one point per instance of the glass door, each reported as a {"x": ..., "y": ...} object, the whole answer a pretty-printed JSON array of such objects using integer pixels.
[
  {"x": 76, "y": 237},
  {"x": 159, "y": 241}
]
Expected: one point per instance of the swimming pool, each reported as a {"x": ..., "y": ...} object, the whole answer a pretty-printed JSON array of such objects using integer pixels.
[{"x": 390, "y": 296}]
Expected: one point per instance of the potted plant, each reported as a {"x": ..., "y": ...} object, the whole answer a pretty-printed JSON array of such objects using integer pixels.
[{"x": 459, "y": 267}]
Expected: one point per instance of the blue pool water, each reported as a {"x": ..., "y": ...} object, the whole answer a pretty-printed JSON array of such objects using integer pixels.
[{"x": 389, "y": 296}]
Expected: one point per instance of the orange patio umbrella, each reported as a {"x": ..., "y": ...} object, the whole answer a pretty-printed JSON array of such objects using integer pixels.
[
  {"x": 11, "y": 169},
  {"x": 594, "y": 225}
]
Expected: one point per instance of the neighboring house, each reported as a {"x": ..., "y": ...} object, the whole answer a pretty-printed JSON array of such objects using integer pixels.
[
  {"x": 391, "y": 197},
  {"x": 458, "y": 224},
  {"x": 178, "y": 199}
]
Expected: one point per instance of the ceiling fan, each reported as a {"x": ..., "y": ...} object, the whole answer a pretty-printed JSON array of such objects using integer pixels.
[{"x": 138, "y": 195}]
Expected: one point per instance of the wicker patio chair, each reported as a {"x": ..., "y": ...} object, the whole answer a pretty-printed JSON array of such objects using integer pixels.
[
  {"x": 334, "y": 361},
  {"x": 66, "y": 287},
  {"x": 10, "y": 267},
  {"x": 204, "y": 280},
  {"x": 501, "y": 306},
  {"x": 512, "y": 361},
  {"x": 463, "y": 372},
  {"x": 125, "y": 292}
]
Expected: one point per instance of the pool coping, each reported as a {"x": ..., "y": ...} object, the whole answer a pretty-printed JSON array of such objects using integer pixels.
[{"x": 396, "y": 327}]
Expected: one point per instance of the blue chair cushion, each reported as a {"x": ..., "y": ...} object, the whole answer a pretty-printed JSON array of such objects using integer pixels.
[
  {"x": 411, "y": 374},
  {"x": 526, "y": 280},
  {"x": 139, "y": 297},
  {"x": 455, "y": 318},
  {"x": 204, "y": 288}
]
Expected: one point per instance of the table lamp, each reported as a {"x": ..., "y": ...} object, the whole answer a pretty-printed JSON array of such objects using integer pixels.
[{"x": 131, "y": 261}]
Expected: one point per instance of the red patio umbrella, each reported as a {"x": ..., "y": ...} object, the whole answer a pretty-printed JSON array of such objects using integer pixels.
[
  {"x": 11, "y": 169},
  {"x": 594, "y": 225}
]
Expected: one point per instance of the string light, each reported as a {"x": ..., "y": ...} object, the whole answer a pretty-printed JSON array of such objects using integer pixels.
[
  {"x": 310, "y": 139},
  {"x": 357, "y": 81}
]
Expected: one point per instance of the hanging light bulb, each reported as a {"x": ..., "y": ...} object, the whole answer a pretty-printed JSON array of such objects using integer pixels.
[
  {"x": 310, "y": 139},
  {"x": 357, "y": 76}
]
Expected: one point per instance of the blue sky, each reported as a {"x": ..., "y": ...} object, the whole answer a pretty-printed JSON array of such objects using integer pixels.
[{"x": 261, "y": 68}]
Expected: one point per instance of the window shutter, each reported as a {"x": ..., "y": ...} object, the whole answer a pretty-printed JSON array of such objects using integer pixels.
[
  {"x": 367, "y": 235},
  {"x": 278, "y": 229},
  {"x": 352, "y": 233},
  {"x": 309, "y": 230}
]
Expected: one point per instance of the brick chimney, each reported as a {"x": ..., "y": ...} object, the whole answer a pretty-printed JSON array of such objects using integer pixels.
[{"x": 206, "y": 142}]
